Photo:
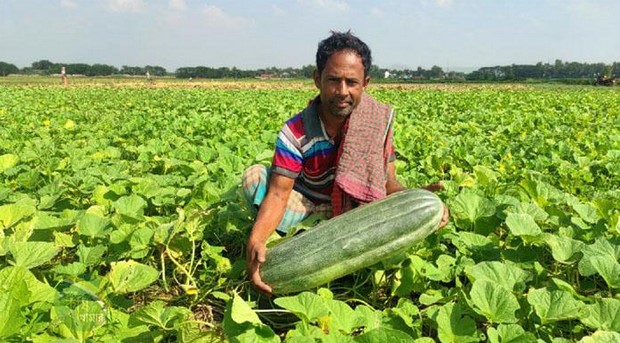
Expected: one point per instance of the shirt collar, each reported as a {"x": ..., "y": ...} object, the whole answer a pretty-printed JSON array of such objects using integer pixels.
[{"x": 313, "y": 125}]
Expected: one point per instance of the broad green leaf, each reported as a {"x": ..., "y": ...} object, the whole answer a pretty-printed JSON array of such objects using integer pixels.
[
  {"x": 24, "y": 286},
  {"x": 11, "y": 318},
  {"x": 601, "y": 247},
  {"x": 608, "y": 267},
  {"x": 241, "y": 324},
  {"x": 32, "y": 254},
  {"x": 586, "y": 212},
  {"x": 563, "y": 248},
  {"x": 131, "y": 206},
  {"x": 509, "y": 276},
  {"x": 406, "y": 310},
  {"x": 603, "y": 315},
  {"x": 485, "y": 176},
  {"x": 602, "y": 337},
  {"x": 307, "y": 306},
  {"x": 258, "y": 334},
  {"x": 131, "y": 276},
  {"x": 11, "y": 214},
  {"x": 8, "y": 161},
  {"x": 241, "y": 312},
  {"x": 342, "y": 317},
  {"x": 160, "y": 316},
  {"x": 71, "y": 269},
  {"x": 510, "y": 333},
  {"x": 91, "y": 255},
  {"x": 469, "y": 208},
  {"x": 494, "y": 302},
  {"x": 521, "y": 224},
  {"x": 531, "y": 209},
  {"x": 82, "y": 321},
  {"x": 554, "y": 305},
  {"x": 92, "y": 225},
  {"x": 369, "y": 317},
  {"x": 383, "y": 335},
  {"x": 453, "y": 325}
]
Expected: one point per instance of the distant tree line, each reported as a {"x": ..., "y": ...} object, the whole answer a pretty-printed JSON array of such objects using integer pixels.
[
  {"x": 541, "y": 71},
  {"x": 557, "y": 70}
]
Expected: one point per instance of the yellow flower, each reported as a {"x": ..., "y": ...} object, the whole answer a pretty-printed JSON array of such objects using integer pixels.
[
  {"x": 47, "y": 122},
  {"x": 70, "y": 124}
]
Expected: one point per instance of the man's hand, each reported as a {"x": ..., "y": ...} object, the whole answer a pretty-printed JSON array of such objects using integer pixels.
[
  {"x": 434, "y": 187},
  {"x": 445, "y": 218},
  {"x": 255, "y": 256}
]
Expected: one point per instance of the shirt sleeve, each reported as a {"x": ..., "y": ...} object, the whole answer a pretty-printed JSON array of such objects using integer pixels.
[{"x": 287, "y": 159}]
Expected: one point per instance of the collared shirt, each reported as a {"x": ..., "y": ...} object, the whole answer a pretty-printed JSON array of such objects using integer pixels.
[{"x": 305, "y": 153}]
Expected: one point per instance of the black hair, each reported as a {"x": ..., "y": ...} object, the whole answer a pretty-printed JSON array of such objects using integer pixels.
[{"x": 339, "y": 41}]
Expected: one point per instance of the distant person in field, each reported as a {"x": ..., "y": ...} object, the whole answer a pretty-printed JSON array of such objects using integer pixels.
[
  {"x": 63, "y": 75},
  {"x": 343, "y": 133}
]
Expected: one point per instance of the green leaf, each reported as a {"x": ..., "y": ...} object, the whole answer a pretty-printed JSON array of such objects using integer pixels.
[
  {"x": 241, "y": 324},
  {"x": 92, "y": 225},
  {"x": 83, "y": 321},
  {"x": 383, "y": 335},
  {"x": 24, "y": 286},
  {"x": 601, "y": 247},
  {"x": 91, "y": 255},
  {"x": 307, "y": 306},
  {"x": 241, "y": 312},
  {"x": 369, "y": 317},
  {"x": 453, "y": 325},
  {"x": 8, "y": 161},
  {"x": 407, "y": 311},
  {"x": 343, "y": 318},
  {"x": 510, "y": 333},
  {"x": 158, "y": 315},
  {"x": 602, "y": 337},
  {"x": 603, "y": 315},
  {"x": 521, "y": 224},
  {"x": 509, "y": 276},
  {"x": 131, "y": 276},
  {"x": 469, "y": 208},
  {"x": 11, "y": 318},
  {"x": 608, "y": 267},
  {"x": 563, "y": 248},
  {"x": 554, "y": 305},
  {"x": 494, "y": 302},
  {"x": 32, "y": 254},
  {"x": 131, "y": 206},
  {"x": 11, "y": 214}
]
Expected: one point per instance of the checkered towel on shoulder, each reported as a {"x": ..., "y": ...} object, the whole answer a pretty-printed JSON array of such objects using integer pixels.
[{"x": 363, "y": 156}]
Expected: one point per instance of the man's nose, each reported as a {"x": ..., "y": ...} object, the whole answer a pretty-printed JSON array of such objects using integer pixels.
[{"x": 341, "y": 87}]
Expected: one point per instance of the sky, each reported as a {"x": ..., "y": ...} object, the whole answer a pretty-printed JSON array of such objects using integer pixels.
[{"x": 460, "y": 35}]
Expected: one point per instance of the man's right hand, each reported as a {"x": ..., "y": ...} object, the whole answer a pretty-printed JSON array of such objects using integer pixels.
[{"x": 255, "y": 257}]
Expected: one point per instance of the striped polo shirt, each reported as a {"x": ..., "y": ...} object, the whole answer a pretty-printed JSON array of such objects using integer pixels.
[{"x": 305, "y": 153}]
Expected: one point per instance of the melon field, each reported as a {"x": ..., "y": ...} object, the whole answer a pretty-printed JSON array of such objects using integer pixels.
[{"x": 121, "y": 218}]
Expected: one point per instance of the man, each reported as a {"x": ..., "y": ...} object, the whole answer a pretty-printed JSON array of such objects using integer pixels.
[{"x": 326, "y": 160}]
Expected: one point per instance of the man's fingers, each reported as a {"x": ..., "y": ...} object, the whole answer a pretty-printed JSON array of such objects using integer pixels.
[{"x": 259, "y": 284}]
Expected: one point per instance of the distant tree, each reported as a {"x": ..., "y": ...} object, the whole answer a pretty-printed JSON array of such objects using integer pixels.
[
  {"x": 127, "y": 70},
  {"x": 7, "y": 68},
  {"x": 78, "y": 68},
  {"x": 43, "y": 65},
  {"x": 102, "y": 70}
]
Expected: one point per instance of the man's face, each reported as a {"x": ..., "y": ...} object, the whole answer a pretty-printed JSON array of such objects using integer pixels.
[{"x": 341, "y": 83}]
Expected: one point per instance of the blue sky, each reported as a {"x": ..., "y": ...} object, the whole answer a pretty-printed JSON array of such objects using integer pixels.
[{"x": 453, "y": 34}]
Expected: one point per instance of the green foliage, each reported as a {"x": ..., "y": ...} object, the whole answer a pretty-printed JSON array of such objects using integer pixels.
[{"x": 121, "y": 219}]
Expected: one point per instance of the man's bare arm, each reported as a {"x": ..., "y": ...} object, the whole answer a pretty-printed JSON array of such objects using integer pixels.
[{"x": 267, "y": 220}]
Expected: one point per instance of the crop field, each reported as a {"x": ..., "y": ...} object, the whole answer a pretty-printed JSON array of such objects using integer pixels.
[{"x": 121, "y": 218}]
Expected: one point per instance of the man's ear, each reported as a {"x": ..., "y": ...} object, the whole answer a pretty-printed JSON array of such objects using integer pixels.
[
  {"x": 366, "y": 81},
  {"x": 317, "y": 78}
]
